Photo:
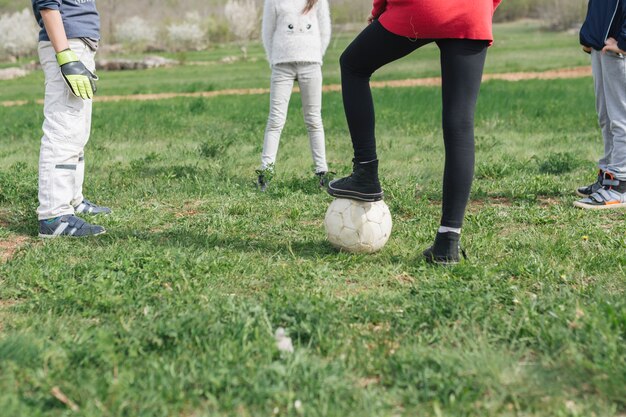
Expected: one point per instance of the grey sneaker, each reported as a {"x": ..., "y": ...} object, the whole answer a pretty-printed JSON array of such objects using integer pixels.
[
  {"x": 68, "y": 225},
  {"x": 87, "y": 207},
  {"x": 604, "y": 198},
  {"x": 611, "y": 195}
]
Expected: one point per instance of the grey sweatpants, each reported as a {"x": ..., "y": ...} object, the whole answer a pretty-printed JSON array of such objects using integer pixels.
[{"x": 609, "y": 74}]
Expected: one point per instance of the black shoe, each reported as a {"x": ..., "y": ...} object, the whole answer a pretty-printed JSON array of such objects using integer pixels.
[
  {"x": 445, "y": 250},
  {"x": 361, "y": 185},
  {"x": 264, "y": 176},
  {"x": 324, "y": 177},
  {"x": 590, "y": 189}
]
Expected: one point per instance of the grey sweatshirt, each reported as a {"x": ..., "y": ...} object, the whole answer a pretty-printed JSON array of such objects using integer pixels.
[{"x": 80, "y": 17}]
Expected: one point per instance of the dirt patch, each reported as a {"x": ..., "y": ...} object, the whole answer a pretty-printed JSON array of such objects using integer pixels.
[
  {"x": 491, "y": 201},
  {"x": 566, "y": 73},
  {"x": 7, "y": 303},
  {"x": 189, "y": 209},
  {"x": 12, "y": 103},
  {"x": 368, "y": 381},
  {"x": 405, "y": 279},
  {"x": 560, "y": 74},
  {"x": 9, "y": 246},
  {"x": 203, "y": 94}
]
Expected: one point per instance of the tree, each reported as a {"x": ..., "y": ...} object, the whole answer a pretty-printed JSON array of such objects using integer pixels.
[
  {"x": 18, "y": 34},
  {"x": 243, "y": 18},
  {"x": 188, "y": 34},
  {"x": 136, "y": 34}
]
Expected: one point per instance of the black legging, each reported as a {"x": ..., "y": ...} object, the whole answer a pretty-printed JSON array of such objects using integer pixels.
[{"x": 462, "y": 62}]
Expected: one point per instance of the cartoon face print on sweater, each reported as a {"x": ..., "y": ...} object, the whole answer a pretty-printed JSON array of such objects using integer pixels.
[{"x": 297, "y": 24}]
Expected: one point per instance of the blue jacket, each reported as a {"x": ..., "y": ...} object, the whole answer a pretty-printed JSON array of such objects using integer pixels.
[
  {"x": 605, "y": 19},
  {"x": 80, "y": 17}
]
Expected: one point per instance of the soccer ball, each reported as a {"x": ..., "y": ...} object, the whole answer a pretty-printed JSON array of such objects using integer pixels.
[{"x": 358, "y": 226}]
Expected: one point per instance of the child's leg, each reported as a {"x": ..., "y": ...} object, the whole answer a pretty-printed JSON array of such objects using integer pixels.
[
  {"x": 372, "y": 48},
  {"x": 310, "y": 82},
  {"x": 462, "y": 63},
  {"x": 283, "y": 76},
  {"x": 89, "y": 60},
  {"x": 601, "y": 109},
  {"x": 65, "y": 132},
  {"x": 614, "y": 77},
  {"x": 78, "y": 180}
]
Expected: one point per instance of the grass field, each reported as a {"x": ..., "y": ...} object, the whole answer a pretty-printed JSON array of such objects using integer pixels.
[{"x": 172, "y": 313}]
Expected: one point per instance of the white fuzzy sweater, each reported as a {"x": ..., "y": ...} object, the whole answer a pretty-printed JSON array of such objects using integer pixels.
[{"x": 290, "y": 36}]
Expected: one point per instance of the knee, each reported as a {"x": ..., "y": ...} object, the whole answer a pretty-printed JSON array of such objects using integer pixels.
[
  {"x": 343, "y": 60},
  {"x": 349, "y": 65},
  {"x": 313, "y": 123},
  {"x": 275, "y": 124},
  {"x": 458, "y": 124}
]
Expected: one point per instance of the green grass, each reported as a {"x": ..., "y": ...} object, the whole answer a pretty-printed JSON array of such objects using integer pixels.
[
  {"x": 519, "y": 46},
  {"x": 172, "y": 312}
]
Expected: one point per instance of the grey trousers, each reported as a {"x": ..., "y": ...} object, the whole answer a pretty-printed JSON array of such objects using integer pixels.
[
  {"x": 609, "y": 74},
  {"x": 309, "y": 78}
]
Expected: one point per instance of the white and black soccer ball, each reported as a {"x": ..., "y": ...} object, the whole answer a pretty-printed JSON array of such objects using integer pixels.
[{"x": 358, "y": 226}]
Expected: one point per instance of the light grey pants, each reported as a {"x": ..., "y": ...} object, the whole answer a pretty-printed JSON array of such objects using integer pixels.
[
  {"x": 66, "y": 128},
  {"x": 309, "y": 77},
  {"x": 609, "y": 74}
]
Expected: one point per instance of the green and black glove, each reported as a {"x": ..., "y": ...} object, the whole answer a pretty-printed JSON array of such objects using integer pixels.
[{"x": 79, "y": 79}]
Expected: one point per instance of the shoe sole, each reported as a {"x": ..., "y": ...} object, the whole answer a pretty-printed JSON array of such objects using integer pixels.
[
  {"x": 55, "y": 236},
  {"x": 599, "y": 207},
  {"x": 354, "y": 195},
  {"x": 434, "y": 261},
  {"x": 441, "y": 263}
]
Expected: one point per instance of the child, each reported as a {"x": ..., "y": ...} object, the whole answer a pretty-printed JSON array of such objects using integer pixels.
[
  {"x": 462, "y": 31},
  {"x": 296, "y": 34},
  {"x": 70, "y": 31},
  {"x": 603, "y": 35}
]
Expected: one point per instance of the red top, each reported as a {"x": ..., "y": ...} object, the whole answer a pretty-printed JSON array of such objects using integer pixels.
[{"x": 437, "y": 19}]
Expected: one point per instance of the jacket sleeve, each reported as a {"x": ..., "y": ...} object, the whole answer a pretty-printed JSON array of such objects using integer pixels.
[
  {"x": 268, "y": 27},
  {"x": 47, "y": 4},
  {"x": 323, "y": 18},
  {"x": 621, "y": 37},
  {"x": 379, "y": 8}
]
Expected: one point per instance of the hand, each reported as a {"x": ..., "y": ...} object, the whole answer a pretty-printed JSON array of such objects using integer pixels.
[
  {"x": 611, "y": 45},
  {"x": 587, "y": 49},
  {"x": 79, "y": 79},
  {"x": 370, "y": 19}
]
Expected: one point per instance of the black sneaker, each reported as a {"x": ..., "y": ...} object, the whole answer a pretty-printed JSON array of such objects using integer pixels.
[
  {"x": 264, "y": 176},
  {"x": 324, "y": 177},
  {"x": 445, "y": 250},
  {"x": 361, "y": 185},
  {"x": 590, "y": 189}
]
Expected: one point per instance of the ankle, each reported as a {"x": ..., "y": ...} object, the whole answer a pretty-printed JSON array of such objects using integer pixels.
[
  {"x": 613, "y": 183},
  {"x": 446, "y": 229}
]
